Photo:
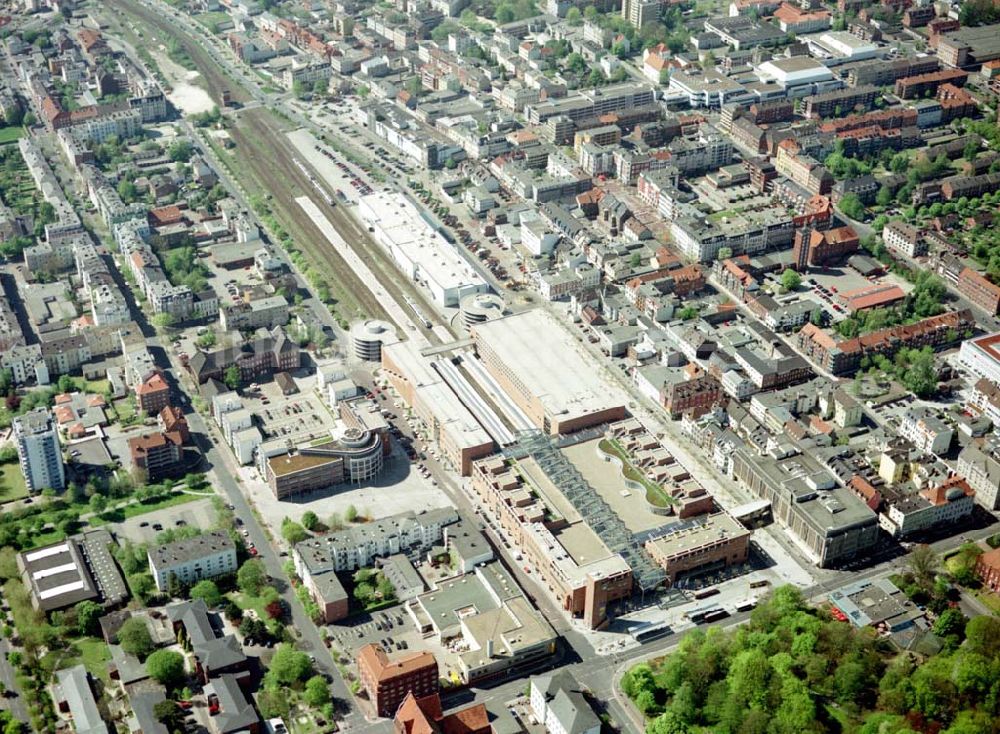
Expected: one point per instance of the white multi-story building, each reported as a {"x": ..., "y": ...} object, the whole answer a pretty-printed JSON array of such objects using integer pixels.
[
  {"x": 981, "y": 357},
  {"x": 37, "y": 442},
  {"x": 980, "y": 466},
  {"x": 359, "y": 546},
  {"x": 557, "y": 701},
  {"x": 904, "y": 238},
  {"x": 926, "y": 509},
  {"x": 420, "y": 252},
  {"x": 925, "y": 430},
  {"x": 203, "y": 557}
]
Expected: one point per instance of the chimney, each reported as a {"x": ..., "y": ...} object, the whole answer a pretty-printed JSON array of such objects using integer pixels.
[{"x": 489, "y": 648}]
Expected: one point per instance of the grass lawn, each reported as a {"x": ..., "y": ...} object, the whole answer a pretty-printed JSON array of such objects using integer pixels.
[
  {"x": 212, "y": 20},
  {"x": 988, "y": 598},
  {"x": 95, "y": 386},
  {"x": 126, "y": 412},
  {"x": 12, "y": 486},
  {"x": 257, "y": 603},
  {"x": 10, "y": 134},
  {"x": 92, "y": 652},
  {"x": 141, "y": 508}
]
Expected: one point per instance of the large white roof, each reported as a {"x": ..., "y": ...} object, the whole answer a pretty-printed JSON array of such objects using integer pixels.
[{"x": 548, "y": 361}]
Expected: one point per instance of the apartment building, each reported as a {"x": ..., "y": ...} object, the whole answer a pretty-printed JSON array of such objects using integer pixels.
[
  {"x": 844, "y": 356},
  {"x": 389, "y": 681},
  {"x": 926, "y": 430},
  {"x": 583, "y": 575},
  {"x": 190, "y": 560},
  {"x": 904, "y": 238},
  {"x": 37, "y": 440},
  {"x": 979, "y": 463}
]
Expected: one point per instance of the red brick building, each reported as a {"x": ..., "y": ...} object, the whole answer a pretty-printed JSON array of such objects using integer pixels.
[
  {"x": 388, "y": 682},
  {"x": 172, "y": 420},
  {"x": 911, "y": 87},
  {"x": 988, "y": 569},
  {"x": 814, "y": 247},
  {"x": 424, "y": 716},
  {"x": 153, "y": 393},
  {"x": 696, "y": 395},
  {"x": 978, "y": 289},
  {"x": 157, "y": 454}
]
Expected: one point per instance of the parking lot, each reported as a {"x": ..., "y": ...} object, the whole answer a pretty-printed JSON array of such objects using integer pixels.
[{"x": 144, "y": 528}]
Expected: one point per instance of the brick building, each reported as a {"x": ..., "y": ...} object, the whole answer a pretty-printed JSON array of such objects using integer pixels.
[
  {"x": 978, "y": 289},
  {"x": 988, "y": 569},
  {"x": 814, "y": 247},
  {"x": 159, "y": 455},
  {"x": 153, "y": 393},
  {"x": 845, "y": 356},
  {"x": 912, "y": 87},
  {"x": 388, "y": 682}
]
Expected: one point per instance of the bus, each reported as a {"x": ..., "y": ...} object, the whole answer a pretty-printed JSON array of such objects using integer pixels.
[
  {"x": 706, "y": 614},
  {"x": 759, "y": 584},
  {"x": 705, "y": 593},
  {"x": 651, "y": 631}
]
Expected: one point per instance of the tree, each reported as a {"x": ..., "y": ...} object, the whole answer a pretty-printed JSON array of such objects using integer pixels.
[
  {"x": 127, "y": 191},
  {"x": 596, "y": 78},
  {"x": 169, "y": 714},
  {"x": 884, "y": 196},
  {"x": 321, "y": 86},
  {"x": 310, "y": 520},
  {"x": 135, "y": 639},
  {"x": 982, "y": 636},
  {"x": 351, "y": 513},
  {"x": 98, "y": 504},
  {"x": 163, "y": 320},
  {"x": 207, "y": 590},
  {"x": 950, "y": 625},
  {"x": 292, "y": 532},
  {"x": 87, "y": 615},
  {"x": 253, "y": 629},
  {"x": 816, "y": 317},
  {"x": 251, "y": 577},
  {"x": 274, "y": 609},
  {"x": 181, "y": 151},
  {"x": 971, "y": 150},
  {"x": 574, "y": 17},
  {"x": 232, "y": 377},
  {"x": 576, "y": 63},
  {"x": 852, "y": 207},
  {"x": 288, "y": 665},
  {"x": 790, "y": 280},
  {"x": 142, "y": 585},
  {"x": 166, "y": 667},
  {"x": 317, "y": 692},
  {"x": 923, "y": 564},
  {"x": 335, "y": 522}
]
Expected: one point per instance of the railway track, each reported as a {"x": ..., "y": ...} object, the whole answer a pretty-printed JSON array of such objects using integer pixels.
[
  {"x": 279, "y": 167},
  {"x": 270, "y": 160}
]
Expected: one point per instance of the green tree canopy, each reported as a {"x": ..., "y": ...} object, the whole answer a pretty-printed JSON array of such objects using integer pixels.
[
  {"x": 207, "y": 590},
  {"x": 289, "y": 666},
  {"x": 251, "y": 577},
  {"x": 135, "y": 639},
  {"x": 167, "y": 667}
]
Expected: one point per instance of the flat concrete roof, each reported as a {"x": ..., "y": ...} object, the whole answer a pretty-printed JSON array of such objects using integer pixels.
[
  {"x": 578, "y": 539},
  {"x": 719, "y": 526},
  {"x": 546, "y": 359},
  {"x": 401, "y": 227}
]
